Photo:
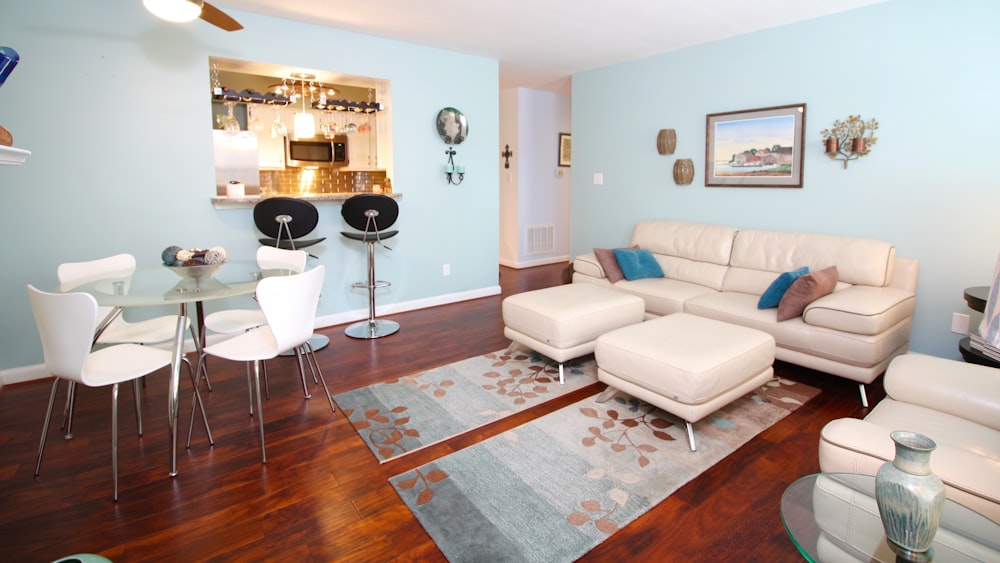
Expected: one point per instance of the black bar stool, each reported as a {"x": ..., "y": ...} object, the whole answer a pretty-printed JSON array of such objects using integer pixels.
[
  {"x": 371, "y": 214},
  {"x": 284, "y": 221}
]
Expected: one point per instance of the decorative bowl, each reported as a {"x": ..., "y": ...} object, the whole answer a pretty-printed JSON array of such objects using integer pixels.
[{"x": 196, "y": 272}]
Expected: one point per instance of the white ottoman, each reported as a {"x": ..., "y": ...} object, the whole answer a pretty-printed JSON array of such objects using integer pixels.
[
  {"x": 686, "y": 365},
  {"x": 562, "y": 322}
]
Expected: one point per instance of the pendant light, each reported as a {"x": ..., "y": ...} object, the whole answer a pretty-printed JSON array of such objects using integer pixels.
[{"x": 305, "y": 125}]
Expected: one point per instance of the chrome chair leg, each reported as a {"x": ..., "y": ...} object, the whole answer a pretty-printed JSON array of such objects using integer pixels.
[
  {"x": 322, "y": 379},
  {"x": 302, "y": 372},
  {"x": 267, "y": 386},
  {"x": 68, "y": 413},
  {"x": 114, "y": 437},
  {"x": 260, "y": 410},
  {"x": 196, "y": 403},
  {"x": 202, "y": 361},
  {"x": 138, "y": 404},
  {"x": 250, "y": 386},
  {"x": 45, "y": 426}
]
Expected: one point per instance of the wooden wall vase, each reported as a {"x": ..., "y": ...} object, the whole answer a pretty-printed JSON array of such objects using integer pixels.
[
  {"x": 683, "y": 171},
  {"x": 666, "y": 140}
]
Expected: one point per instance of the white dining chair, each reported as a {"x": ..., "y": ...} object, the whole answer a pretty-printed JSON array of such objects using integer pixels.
[
  {"x": 111, "y": 327},
  {"x": 236, "y": 321},
  {"x": 151, "y": 331},
  {"x": 289, "y": 305},
  {"x": 65, "y": 323}
]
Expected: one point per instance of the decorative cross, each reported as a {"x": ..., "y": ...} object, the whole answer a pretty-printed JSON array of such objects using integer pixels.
[{"x": 506, "y": 154}]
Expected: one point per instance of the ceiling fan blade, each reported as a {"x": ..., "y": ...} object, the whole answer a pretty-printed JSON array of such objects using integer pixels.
[{"x": 218, "y": 18}]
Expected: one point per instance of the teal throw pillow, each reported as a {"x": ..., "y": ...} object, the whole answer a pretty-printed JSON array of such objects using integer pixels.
[
  {"x": 638, "y": 264},
  {"x": 773, "y": 294}
]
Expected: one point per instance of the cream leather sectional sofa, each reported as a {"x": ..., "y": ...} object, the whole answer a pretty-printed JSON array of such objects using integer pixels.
[{"x": 720, "y": 272}]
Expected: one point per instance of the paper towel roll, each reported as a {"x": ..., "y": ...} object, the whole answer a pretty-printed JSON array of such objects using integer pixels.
[{"x": 235, "y": 189}]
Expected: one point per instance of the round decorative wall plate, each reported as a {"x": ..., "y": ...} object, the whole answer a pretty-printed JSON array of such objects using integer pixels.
[{"x": 452, "y": 126}]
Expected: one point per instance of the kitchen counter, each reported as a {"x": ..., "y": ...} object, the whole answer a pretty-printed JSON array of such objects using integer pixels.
[
  {"x": 12, "y": 156},
  {"x": 224, "y": 202}
]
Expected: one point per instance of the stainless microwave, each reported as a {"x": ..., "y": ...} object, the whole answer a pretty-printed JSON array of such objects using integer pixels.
[{"x": 316, "y": 152}]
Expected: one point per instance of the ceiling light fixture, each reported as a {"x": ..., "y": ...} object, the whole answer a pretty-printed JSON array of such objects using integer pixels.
[
  {"x": 305, "y": 125},
  {"x": 174, "y": 10}
]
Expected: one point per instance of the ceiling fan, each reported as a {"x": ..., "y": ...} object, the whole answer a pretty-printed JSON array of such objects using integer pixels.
[{"x": 187, "y": 10}]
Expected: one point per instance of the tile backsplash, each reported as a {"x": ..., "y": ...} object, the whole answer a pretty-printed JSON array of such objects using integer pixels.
[{"x": 297, "y": 181}]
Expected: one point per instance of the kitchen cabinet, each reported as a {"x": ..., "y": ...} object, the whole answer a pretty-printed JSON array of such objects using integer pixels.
[
  {"x": 271, "y": 151},
  {"x": 362, "y": 148}
]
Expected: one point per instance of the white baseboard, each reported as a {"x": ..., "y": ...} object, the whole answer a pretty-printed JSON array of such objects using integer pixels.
[{"x": 38, "y": 371}]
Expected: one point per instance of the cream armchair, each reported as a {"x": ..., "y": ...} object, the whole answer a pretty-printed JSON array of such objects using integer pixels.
[{"x": 954, "y": 403}]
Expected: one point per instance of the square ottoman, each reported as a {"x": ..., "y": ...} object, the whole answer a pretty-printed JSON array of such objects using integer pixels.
[
  {"x": 686, "y": 365},
  {"x": 564, "y": 321}
]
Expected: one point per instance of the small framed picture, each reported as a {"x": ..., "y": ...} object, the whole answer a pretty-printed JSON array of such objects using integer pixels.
[
  {"x": 565, "y": 149},
  {"x": 755, "y": 148}
]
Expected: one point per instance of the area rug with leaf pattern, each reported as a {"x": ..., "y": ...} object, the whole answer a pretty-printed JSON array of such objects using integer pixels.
[
  {"x": 403, "y": 415},
  {"x": 552, "y": 489}
]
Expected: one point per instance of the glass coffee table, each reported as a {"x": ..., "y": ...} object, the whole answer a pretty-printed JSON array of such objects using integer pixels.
[{"x": 834, "y": 517}]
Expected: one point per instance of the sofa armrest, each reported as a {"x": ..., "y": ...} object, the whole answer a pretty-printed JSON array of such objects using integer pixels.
[
  {"x": 849, "y": 445},
  {"x": 587, "y": 265},
  {"x": 861, "y": 309},
  {"x": 968, "y": 391},
  {"x": 904, "y": 274}
]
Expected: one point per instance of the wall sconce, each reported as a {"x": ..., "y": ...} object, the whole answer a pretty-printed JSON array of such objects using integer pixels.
[
  {"x": 506, "y": 154},
  {"x": 451, "y": 171},
  {"x": 847, "y": 140}
]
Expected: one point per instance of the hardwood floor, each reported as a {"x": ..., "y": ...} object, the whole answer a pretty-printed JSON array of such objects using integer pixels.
[{"x": 322, "y": 496}]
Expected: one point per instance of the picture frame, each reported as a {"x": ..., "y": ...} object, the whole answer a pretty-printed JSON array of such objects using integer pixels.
[
  {"x": 756, "y": 147},
  {"x": 565, "y": 149}
]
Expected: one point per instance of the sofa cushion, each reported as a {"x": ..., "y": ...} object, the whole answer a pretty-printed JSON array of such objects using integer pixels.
[
  {"x": 805, "y": 290},
  {"x": 663, "y": 296},
  {"x": 774, "y": 292},
  {"x": 637, "y": 264},
  {"x": 606, "y": 258},
  {"x": 861, "y": 309}
]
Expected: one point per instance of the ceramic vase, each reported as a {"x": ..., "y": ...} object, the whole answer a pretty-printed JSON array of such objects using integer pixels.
[{"x": 910, "y": 498}]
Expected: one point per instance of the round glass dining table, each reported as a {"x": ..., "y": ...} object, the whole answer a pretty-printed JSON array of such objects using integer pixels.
[{"x": 160, "y": 285}]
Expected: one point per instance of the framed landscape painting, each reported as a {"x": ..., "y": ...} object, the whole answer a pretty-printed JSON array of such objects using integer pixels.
[{"x": 755, "y": 148}]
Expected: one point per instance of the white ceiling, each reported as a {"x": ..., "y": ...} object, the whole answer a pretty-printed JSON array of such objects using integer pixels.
[{"x": 540, "y": 43}]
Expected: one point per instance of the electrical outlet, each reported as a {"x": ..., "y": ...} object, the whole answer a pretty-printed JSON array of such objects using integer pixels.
[
  {"x": 960, "y": 323},
  {"x": 598, "y": 178},
  {"x": 446, "y": 270}
]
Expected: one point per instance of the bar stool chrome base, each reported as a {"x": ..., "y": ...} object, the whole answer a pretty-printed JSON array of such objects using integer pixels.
[
  {"x": 370, "y": 214},
  {"x": 374, "y": 328},
  {"x": 318, "y": 342}
]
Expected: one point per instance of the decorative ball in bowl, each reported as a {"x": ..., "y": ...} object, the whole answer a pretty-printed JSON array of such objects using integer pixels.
[
  {"x": 196, "y": 271},
  {"x": 193, "y": 263}
]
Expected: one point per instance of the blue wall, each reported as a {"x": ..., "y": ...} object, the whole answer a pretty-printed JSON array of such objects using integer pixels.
[
  {"x": 114, "y": 105},
  {"x": 926, "y": 70}
]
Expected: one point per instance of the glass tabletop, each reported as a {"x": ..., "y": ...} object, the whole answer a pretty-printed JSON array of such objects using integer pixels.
[
  {"x": 834, "y": 517},
  {"x": 161, "y": 285}
]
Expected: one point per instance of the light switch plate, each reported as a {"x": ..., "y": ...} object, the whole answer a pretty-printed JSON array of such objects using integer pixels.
[{"x": 598, "y": 178}]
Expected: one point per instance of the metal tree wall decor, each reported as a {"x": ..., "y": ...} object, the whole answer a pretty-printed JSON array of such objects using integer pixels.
[{"x": 850, "y": 139}]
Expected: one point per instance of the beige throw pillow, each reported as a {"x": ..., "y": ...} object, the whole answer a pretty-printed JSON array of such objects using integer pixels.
[{"x": 805, "y": 290}]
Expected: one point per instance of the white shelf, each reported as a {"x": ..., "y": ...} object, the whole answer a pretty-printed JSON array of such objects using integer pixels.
[{"x": 10, "y": 155}]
